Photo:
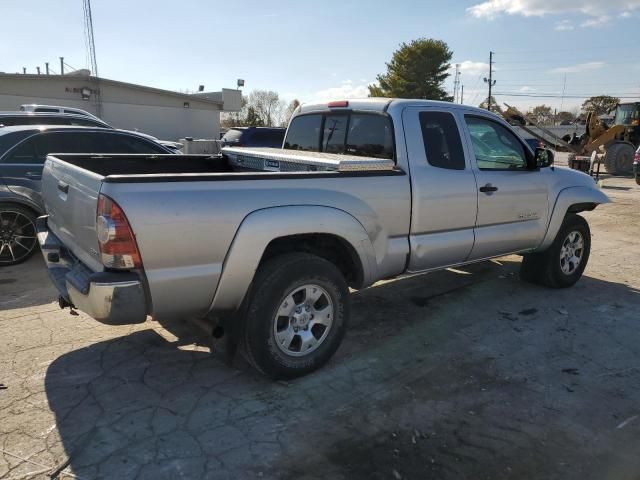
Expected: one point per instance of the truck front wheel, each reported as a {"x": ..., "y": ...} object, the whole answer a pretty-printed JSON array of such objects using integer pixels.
[
  {"x": 296, "y": 315},
  {"x": 562, "y": 264}
]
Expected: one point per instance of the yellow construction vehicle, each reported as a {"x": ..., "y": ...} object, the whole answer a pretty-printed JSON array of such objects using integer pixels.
[{"x": 614, "y": 145}]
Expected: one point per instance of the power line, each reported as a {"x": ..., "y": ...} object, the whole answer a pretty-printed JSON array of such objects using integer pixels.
[{"x": 559, "y": 95}]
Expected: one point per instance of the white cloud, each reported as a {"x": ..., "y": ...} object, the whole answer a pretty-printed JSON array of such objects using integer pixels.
[
  {"x": 471, "y": 68},
  {"x": 580, "y": 67},
  {"x": 596, "y": 21},
  {"x": 346, "y": 89},
  {"x": 526, "y": 89},
  {"x": 564, "y": 25},
  {"x": 625, "y": 15},
  {"x": 537, "y": 8}
]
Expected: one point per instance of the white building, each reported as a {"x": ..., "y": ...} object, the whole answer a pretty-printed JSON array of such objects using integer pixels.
[{"x": 165, "y": 114}]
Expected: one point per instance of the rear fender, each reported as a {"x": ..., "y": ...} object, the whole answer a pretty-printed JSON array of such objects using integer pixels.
[
  {"x": 259, "y": 228},
  {"x": 571, "y": 200}
]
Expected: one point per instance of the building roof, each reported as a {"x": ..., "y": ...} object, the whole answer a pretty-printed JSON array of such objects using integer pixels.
[{"x": 107, "y": 81}]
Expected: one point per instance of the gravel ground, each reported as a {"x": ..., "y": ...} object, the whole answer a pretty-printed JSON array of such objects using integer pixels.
[{"x": 465, "y": 373}]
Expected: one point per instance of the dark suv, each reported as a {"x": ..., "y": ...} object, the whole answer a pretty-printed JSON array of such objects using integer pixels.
[
  {"x": 254, "y": 137},
  {"x": 23, "y": 150}
]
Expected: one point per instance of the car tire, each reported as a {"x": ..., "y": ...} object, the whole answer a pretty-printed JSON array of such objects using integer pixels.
[
  {"x": 562, "y": 264},
  {"x": 296, "y": 315},
  {"x": 18, "y": 237}
]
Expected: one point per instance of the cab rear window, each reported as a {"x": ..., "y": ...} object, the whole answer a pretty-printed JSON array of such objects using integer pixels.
[{"x": 350, "y": 133}]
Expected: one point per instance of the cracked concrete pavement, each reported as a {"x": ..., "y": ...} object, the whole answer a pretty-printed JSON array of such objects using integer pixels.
[{"x": 466, "y": 373}]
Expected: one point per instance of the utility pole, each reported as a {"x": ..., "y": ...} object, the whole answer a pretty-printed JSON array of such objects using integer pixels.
[
  {"x": 456, "y": 83},
  {"x": 61, "y": 65},
  {"x": 461, "y": 94},
  {"x": 490, "y": 80}
]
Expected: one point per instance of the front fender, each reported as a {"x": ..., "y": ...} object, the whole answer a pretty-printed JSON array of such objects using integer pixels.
[
  {"x": 574, "y": 198},
  {"x": 259, "y": 228}
]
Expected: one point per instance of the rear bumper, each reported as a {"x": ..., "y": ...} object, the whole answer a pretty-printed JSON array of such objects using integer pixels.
[{"x": 115, "y": 298}]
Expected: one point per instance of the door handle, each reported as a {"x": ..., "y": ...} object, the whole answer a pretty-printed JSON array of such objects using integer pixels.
[
  {"x": 488, "y": 188},
  {"x": 63, "y": 187},
  {"x": 33, "y": 175}
]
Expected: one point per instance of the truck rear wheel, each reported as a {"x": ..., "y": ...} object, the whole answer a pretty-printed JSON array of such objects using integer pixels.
[
  {"x": 618, "y": 158},
  {"x": 296, "y": 315},
  {"x": 18, "y": 239},
  {"x": 563, "y": 263}
]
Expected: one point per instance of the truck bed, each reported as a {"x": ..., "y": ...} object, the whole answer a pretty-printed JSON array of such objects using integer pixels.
[{"x": 262, "y": 161}]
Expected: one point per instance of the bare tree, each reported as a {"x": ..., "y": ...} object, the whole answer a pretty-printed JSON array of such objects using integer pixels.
[
  {"x": 267, "y": 106},
  {"x": 262, "y": 108}
]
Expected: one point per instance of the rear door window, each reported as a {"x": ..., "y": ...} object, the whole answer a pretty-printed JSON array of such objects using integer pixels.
[
  {"x": 442, "y": 143},
  {"x": 304, "y": 133},
  {"x": 24, "y": 153}
]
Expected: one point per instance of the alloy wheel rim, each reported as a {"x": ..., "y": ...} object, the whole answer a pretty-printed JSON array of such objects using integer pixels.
[
  {"x": 303, "y": 320},
  {"x": 571, "y": 252},
  {"x": 17, "y": 236}
]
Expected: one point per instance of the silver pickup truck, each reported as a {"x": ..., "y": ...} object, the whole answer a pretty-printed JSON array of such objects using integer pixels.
[{"x": 266, "y": 244}]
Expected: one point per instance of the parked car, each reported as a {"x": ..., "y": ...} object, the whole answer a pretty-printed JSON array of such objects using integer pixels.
[
  {"x": 57, "y": 112},
  {"x": 254, "y": 137},
  {"x": 34, "y": 107},
  {"x": 23, "y": 150},
  {"x": 8, "y": 119},
  {"x": 382, "y": 188}
]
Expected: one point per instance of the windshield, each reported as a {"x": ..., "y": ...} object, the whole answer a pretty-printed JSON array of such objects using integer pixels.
[{"x": 628, "y": 114}]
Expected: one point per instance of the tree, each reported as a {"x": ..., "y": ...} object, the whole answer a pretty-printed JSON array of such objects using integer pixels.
[
  {"x": 267, "y": 106},
  {"x": 262, "y": 108},
  {"x": 542, "y": 114},
  {"x": 417, "y": 69},
  {"x": 252, "y": 119},
  {"x": 495, "y": 107},
  {"x": 565, "y": 117},
  {"x": 600, "y": 105}
]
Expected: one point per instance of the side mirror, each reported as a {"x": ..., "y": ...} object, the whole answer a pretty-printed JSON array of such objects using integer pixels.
[{"x": 544, "y": 157}]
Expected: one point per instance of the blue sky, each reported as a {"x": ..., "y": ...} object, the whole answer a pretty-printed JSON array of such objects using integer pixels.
[{"x": 333, "y": 49}]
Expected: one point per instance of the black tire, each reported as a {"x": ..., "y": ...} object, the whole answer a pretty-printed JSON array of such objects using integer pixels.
[
  {"x": 272, "y": 285},
  {"x": 618, "y": 158},
  {"x": 546, "y": 268},
  {"x": 18, "y": 240}
]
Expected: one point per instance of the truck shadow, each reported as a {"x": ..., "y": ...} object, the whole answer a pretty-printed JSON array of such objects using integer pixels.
[{"x": 141, "y": 406}]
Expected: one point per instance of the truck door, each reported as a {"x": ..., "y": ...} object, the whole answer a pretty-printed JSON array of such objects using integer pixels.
[
  {"x": 443, "y": 189},
  {"x": 513, "y": 207}
]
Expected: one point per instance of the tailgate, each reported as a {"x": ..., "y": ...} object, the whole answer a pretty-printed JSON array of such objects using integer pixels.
[{"x": 70, "y": 196}]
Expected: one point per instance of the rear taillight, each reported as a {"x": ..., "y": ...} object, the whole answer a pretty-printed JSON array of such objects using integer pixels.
[{"x": 118, "y": 247}]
